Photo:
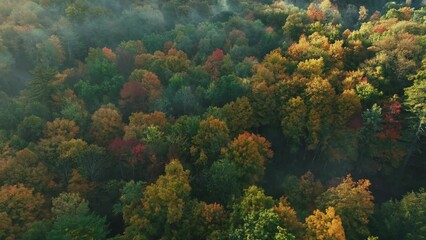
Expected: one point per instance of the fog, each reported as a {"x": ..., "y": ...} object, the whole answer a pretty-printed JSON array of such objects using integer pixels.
[{"x": 26, "y": 27}]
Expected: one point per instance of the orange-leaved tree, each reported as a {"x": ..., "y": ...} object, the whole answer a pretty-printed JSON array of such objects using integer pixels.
[{"x": 250, "y": 152}]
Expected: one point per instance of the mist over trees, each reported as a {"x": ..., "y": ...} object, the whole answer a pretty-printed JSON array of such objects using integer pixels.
[{"x": 212, "y": 119}]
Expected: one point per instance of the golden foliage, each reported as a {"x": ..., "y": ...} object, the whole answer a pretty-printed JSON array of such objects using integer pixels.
[
  {"x": 19, "y": 207},
  {"x": 324, "y": 226},
  {"x": 106, "y": 126},
  {"x": 138, "y": 122}
]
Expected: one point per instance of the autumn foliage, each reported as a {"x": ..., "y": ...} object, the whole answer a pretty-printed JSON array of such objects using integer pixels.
[{"x": 291, "y": 120}]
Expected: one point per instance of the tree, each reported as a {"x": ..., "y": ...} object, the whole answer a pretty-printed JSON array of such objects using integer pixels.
[
  {"x": 250, "y": 153},
  {"x": 144, "y": 89},
  {"x": 295, "y": 25},
  {"x": 263, "y": 102},
  {"x": 254, "y": 199},
  {"x": 73, "y": 220},
  {"x": 323, "y": 11},
  {"x": 275, "y": 63},
  {"x": 50, "y": 52},
  {"x": 347, "y": 105},
  {"x": 76, "y": 153},
  {"x": 19, "y": 207},
  {"x": 254, "y": 218},
  {"x": 139, "y": 122},
  {"x": 61, "y": 127},
  {"x": 39, "y": 89},
  {"x": 212, "y": 135},
  {"x": 404, "y": 219},
  {"x": 102, "y": 83},
  {"x": 106, "y": 125},
  {"x": 177, "y": 61},
  {"x": 239, "y": 115},
  {"x": 353, "y": 202},
  {"x": 223, "y": 183},
  {"x": 31, "y": 128},
  {"x": 294, "y": 119},
  {"x": 125, "y": 151},
  {"x": 262, "y": 225},
  {"x": 182, "y": 132},
  {"x": 162, "y": 207},
  {"x": 152, "y": 86},
  {"x": 320, "y": 96},
  {"x": 84, "y": 227},
  {"x": 133, "y": 97},
  {"x": 372, "y": 119},
  {"x": 212, "y": 65},
  {"x": 324, "y": 226},
  {"x": 26, "y": 168},
  {"x": 75, "y": 111},
  {"x": 367, "y": 93},
  {"x": 69, "y": 203},
  {"x": 225, "y": 89},
  {"x": 302, "y": 192},
  {"x": 184, "y": 101},
  {"x": 68, "y": 157},
  {"x": 79, "y": 184},
  {"x": 416, "y": 99},
  {"x": 288, "y": 218},
  {"x": 311, "y": 67},
  {"x": 100, "y": 65}
]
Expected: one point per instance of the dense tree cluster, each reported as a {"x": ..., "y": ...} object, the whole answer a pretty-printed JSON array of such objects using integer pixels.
[{"x": 254, "y": 119}]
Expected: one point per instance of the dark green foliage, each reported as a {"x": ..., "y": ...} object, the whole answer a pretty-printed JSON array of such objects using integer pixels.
[
  {"x": 31, "y": 128},
  {"x": 225, "y": 90},
  {"x": 404, "y": 219},
  {"x": 39, "y": 88},
  {"x": 184, "y": 101},
  {"x": 38, "y": 230},
  {"x": 223, "y": 182},
  {"x": 74, "y": 111},
  {"x": 11, "y": 114},
  {"x": 68, "y": 227},
  {"x": 131, "y": 192},
  {"x": 37, "y": 109},
  {"x": 74, "y": 221}
]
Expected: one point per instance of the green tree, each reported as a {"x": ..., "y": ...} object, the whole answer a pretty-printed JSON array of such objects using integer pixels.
[
  {"x": 262, "y": 225},
  {"x": 39, "y": 88},
  {"x": 74, "y": 221},
  {"x": 225, "y": 89},
  {"x": 223, "y": 183},
  {"x": 404, "y": 219},
  {"x": 295, "y": 25},
  {"x": 254, "y": 218},
  {"x": 416, "y": 98},
  {"x": 416, "y": 103},
  {"x": 31, "y": 128}
]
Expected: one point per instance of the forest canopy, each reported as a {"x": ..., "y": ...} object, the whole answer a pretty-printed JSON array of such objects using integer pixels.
[{"x": 212, "y": 119}]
